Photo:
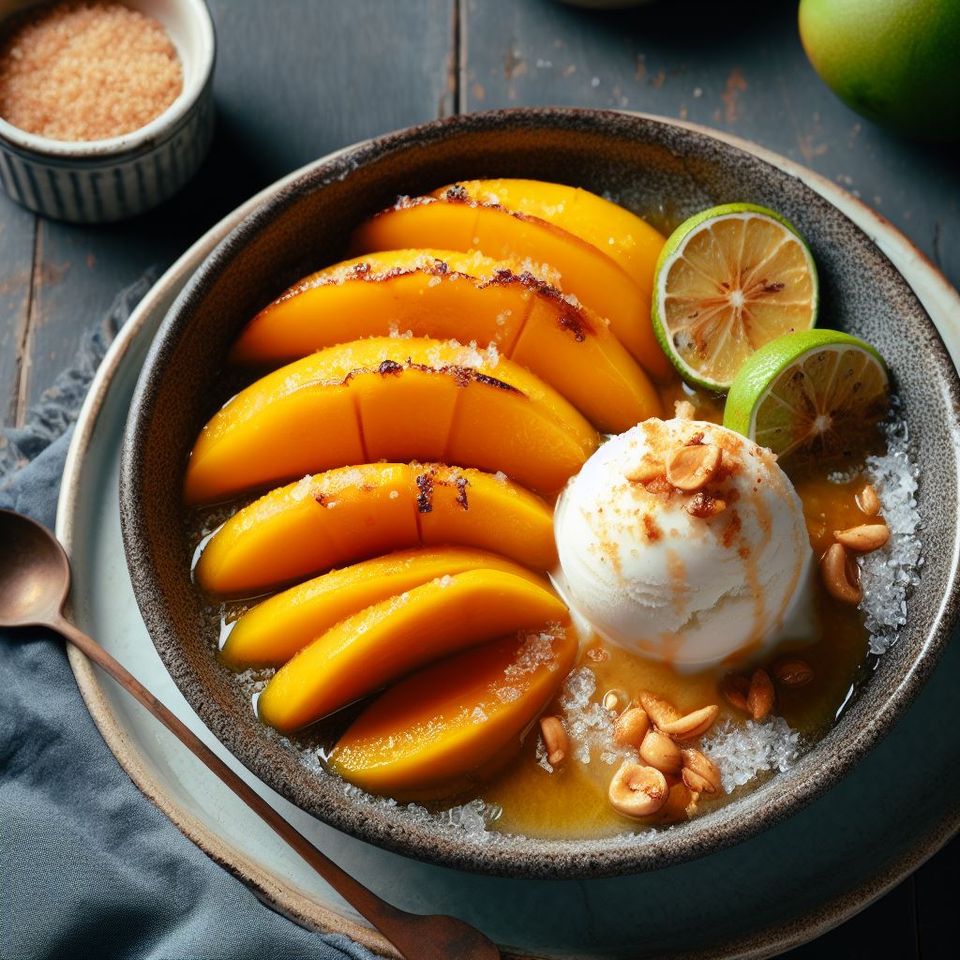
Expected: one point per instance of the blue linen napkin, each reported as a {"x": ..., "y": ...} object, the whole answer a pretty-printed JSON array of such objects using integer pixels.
[{"x": 89, "y": 868}]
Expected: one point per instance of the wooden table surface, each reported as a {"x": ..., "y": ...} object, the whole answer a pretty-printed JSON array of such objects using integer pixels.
[{"x": 296, "y": 79}]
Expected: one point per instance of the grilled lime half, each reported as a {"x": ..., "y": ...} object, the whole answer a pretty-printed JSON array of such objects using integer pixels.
[
  {"x": 815, "y": 392},
  {"x": 728, "y": 281}
]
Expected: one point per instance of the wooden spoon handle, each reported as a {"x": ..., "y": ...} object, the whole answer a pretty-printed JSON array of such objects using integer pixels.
[{"x": 414, "y": 935}]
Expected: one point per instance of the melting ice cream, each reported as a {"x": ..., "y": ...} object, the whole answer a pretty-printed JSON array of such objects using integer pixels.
[{"x": 683, "y": 541}]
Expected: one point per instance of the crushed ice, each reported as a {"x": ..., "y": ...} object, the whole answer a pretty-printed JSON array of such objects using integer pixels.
[
  {"x": 888, "y": 574},
  {"x": 742, "y": 751},
  {"x": 588, "y": 723},
  {"x": 542, "y": 756},
  {"x": 536, "y": 650}
]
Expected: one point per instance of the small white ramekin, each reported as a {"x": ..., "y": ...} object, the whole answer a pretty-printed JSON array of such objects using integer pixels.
[{"x": 102, "y": 180}]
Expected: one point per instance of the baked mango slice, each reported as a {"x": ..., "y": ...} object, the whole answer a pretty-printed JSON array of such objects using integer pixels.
[
  {"x": 389, "y": 398},
  {"x": 435, "y": 732},
  {"x": 446, "y": 294},
  {"x": 390, "y": 639},
  {"x": 344, "y": 515},
  {"x": 273, "y": 631},
  {"x": 622, "y": 235},
  {"x": 399, "y": 292},
  {"x": 553, "y": 254}
]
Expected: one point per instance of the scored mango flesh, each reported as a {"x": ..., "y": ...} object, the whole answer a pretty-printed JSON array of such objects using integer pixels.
[
  {"x": 349, "y": 514},
  {"x": 435, "y": 731},
  {"x": 389, "y": 398},
  {"x": 447, "y": 294},
  {"x": 273, "y": 631},
  {"x": 552, "y": 253},
  {"x": 391, "y": 638}
]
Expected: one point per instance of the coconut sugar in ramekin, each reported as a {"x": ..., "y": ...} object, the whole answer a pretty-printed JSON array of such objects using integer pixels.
[
  {"x": 82, "y": 70},
  {"x": 103, "y": 123}
]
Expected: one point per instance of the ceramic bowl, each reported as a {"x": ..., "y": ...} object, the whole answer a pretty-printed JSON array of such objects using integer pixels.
[
  {"x": 99, "y": 181},
  {"x": 659, "y": 169}
]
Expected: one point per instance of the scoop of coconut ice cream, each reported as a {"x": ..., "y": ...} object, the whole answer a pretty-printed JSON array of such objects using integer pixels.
[{"x": 682, "y": 541}]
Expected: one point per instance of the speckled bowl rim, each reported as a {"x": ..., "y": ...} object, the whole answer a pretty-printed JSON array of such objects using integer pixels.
[
  {"x": 143, "y": 139},
  {"x": 525, "y": 857}
]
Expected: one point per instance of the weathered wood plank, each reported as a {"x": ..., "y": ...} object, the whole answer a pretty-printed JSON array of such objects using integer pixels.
[
  {"x": 16, "y": 257},
  {"x": 76, "y": 275},
  {"x": 743, "y": 71},
  {"x": 334, "y": 74}
]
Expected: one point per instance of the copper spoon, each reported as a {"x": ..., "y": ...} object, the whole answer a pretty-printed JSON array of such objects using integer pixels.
[{"x": 34, "y": 584}]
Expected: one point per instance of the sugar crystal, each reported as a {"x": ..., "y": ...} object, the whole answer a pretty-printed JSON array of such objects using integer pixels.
[
  {"x": 742, "y": 751},
  {"x": 542, "y": 755}
]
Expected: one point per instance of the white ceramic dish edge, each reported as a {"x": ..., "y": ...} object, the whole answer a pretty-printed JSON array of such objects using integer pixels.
[{"x": 938, "y": 297}]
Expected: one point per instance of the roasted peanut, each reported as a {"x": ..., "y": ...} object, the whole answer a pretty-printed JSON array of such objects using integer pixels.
[
  {"x": 793, "y": 672},
  {"x": 734, "y": 688},
  {"x": 868, "y": 502},
  {"x": 864, "y": 538},
  {"x": 661, "y": 752},
  {"x": 681, "y": 804},
  {"x": 684, "y": 410},
  {"x": 700, "y": 773},
  {"x": 636, "y": 790},
  {"x": 555, "y": 739},
  {"x": 659, "y": 711},
  {"x": 631, "y": 727},
  {"x": 841, "y": 575},
  {"x": 692, "y": 725},
  {"x": 691, "y": 468},
  {"x": 761, "y": 694}
]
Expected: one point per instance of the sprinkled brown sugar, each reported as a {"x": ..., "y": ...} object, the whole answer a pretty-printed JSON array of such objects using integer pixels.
[{"x": 88, "y": 70}]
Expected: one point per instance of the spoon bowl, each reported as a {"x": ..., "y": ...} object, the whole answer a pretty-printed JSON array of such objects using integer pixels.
[{"x": 35, "y": 577}]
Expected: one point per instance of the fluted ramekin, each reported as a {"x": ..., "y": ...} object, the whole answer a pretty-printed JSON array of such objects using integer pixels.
[{"x": 97, "y": 181}]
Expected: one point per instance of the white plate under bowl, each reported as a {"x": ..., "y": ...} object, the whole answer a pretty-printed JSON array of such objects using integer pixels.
[{"x": 765, "y": 895}]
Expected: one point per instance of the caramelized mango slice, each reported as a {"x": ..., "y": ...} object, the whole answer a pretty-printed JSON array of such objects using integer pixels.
[
  {"x": 344, "y": 515},
  {"x": 430, "y": 293},
  {"x": 273, "y": 631},
  {"x": 552, "y": 253},
  {"x": 465, "y": 296},
  {"x": 620, "y": 234},
  {"x": 396, "y": 636},
  {"x": 389, "y": 399},
  {"x": 440, "y": 727}
]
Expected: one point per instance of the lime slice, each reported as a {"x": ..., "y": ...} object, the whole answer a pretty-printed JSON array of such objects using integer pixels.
[
  {"x": 819, "y": 392},
  {"x": 728, "y": 281}
]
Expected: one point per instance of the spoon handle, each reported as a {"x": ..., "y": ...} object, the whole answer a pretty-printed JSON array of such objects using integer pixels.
[{"x": 417, "y": 936}]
